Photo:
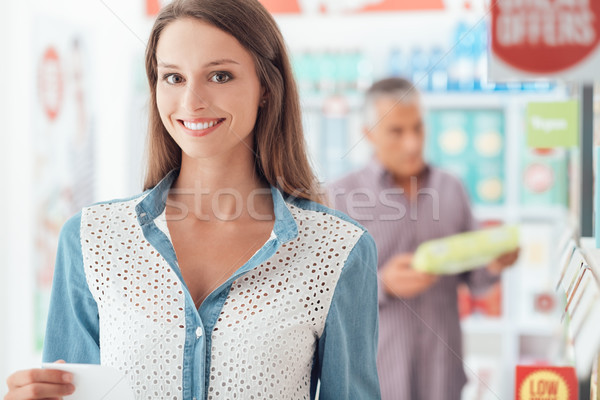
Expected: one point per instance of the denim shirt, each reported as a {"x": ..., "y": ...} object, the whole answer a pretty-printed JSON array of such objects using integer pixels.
[{"x": 302, "y": 309}]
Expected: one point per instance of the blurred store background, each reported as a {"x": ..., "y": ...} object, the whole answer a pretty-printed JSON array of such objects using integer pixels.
[{"x": 72, "y": 106}]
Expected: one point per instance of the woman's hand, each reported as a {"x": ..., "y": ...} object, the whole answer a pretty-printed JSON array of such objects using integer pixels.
[
  {"x": 39, "y": 383},
  {"x": 401, "y": 280}
]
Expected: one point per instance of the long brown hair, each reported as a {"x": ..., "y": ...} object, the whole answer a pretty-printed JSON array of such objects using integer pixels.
[{"x": 279, "y": 144}]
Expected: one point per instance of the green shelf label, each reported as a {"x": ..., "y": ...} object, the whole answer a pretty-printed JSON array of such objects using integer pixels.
[{"x": 553, "y": 124}]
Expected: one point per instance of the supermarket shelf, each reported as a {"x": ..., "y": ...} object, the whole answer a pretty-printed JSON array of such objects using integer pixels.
[
  {"x": 583, "y": 304},
  {"x": 524, "y": 213},
  {"x": 482, "y": 100},
  {"x": 547, "y": 213},
  {"x": 347, "y": 101},
  {"x": 592, "y": 256},
  {"x": 531, "y": 329},
  {"x": 483, "y": 325},
  {"x": 445, "y": 100},
  {"x": 484, "y": 213},
  {"x": 465, "y": 100}
]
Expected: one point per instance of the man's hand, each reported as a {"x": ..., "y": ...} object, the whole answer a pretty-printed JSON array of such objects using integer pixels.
[
  {"x": 400, "y": 280},
  {"x": 503, "y": 261}
]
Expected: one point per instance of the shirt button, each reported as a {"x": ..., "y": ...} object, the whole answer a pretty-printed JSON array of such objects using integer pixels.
[{"x": 198, "y": 332}]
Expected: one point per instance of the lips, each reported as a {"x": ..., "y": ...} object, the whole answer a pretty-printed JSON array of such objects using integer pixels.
[{"x": 200, "y": 126}]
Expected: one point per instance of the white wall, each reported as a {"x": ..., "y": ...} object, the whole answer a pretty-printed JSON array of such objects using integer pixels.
[
  {"x": 4, "y": 174},
  {"x": 16, "y": 271}
]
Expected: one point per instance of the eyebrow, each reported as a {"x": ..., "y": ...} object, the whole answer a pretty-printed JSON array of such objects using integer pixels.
[{"x": 210, "y": 64}]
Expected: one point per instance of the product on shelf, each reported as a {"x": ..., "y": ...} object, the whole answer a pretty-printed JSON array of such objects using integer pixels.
[
  {"x": 464, "y": 59},
  {"x": 465, "y": 251},
  {"x": 341, "y": 72},
  {"x": 334, "y": 136},
  {"x": 438, "y": 74},
  {"x": 545, "y": 382},
  {"x": 484, "y": 376},
  {"x": 579, "y": 290},
  {"x": 544, "y": 302},
  {"x": 420, "y": 65},
  {"x": 489, "y": 144},
  {"x": 461, "y": 67},
  {"x": 544, "y": 174},
  {"x": 488, "y": 304},
  {"x": 471, "y": 145}
]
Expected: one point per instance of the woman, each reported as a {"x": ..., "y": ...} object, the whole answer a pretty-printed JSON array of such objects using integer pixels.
[{"x": 226, "y": 277}]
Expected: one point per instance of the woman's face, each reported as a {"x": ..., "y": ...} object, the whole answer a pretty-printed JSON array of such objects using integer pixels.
[{"x": 207, "y": 90}]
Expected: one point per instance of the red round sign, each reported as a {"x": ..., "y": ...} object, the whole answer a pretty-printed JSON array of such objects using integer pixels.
[
  {"x": 545, "y": 36},
  {"x": 50, "y": 83}
]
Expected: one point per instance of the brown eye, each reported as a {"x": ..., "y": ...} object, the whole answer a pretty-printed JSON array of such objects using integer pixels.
[
  {"x": 173, "y": 79},
  {"x": 221, "y": 77}
]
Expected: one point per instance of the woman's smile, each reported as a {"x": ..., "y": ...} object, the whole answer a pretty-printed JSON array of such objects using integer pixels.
[{"x": 200, "y": 126}]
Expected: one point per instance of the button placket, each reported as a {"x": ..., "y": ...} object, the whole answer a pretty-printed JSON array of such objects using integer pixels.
[{"x": 199, "y": 332}]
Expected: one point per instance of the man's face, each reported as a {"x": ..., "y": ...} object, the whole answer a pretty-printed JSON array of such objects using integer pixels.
[{"x": 398, "y": 137}]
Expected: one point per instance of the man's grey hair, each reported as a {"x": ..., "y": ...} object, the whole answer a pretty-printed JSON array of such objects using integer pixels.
[{"x": 399, "y": 90}]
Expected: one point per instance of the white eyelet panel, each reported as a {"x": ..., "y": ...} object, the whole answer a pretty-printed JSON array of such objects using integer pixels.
[
  {"x": 141, "y": 302},
  {"x": 264, "y": 340}
]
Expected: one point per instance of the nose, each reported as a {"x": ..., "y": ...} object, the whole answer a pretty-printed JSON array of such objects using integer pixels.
[
  {"x": 412, "y": 143},
  {"x": 194, "y": 98}
]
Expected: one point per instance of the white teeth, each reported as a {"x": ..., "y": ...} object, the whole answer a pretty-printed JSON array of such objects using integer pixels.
[{"x": 199, "y": 126}]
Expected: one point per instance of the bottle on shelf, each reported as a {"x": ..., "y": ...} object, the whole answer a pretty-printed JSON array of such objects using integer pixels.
[
  {"x": 364, "y": 68},
  {"x": 462, "y": 69},
  {"x": 398, "y": 64},
  {"x": 438, "y": 75},
  {"x": 327, "y": 72},
  {"x": 419, "y": 63},
  {"x": 481, "y": 58}
]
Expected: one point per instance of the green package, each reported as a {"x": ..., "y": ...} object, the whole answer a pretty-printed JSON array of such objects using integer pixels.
[{"x": 465, "y": 251}]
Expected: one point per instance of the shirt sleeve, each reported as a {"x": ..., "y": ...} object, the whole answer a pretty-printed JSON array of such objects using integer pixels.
[
  {"x": 347, "y": 349},
  {"x": 72, "y": 329},
  {"x": 336, "y": 201},
  {"x": 383, "y": 297},
  {"x": 478, "y": 280}
]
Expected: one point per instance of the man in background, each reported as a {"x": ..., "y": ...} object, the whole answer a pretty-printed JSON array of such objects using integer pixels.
[{"x": 403, "y": 201}]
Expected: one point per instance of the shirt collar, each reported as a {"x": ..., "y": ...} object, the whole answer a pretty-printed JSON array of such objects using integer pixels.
[
  {"x": 153, "y": 204},
  {"x": 378, "y": 169},
  {"x": 383, "y": 175}
]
